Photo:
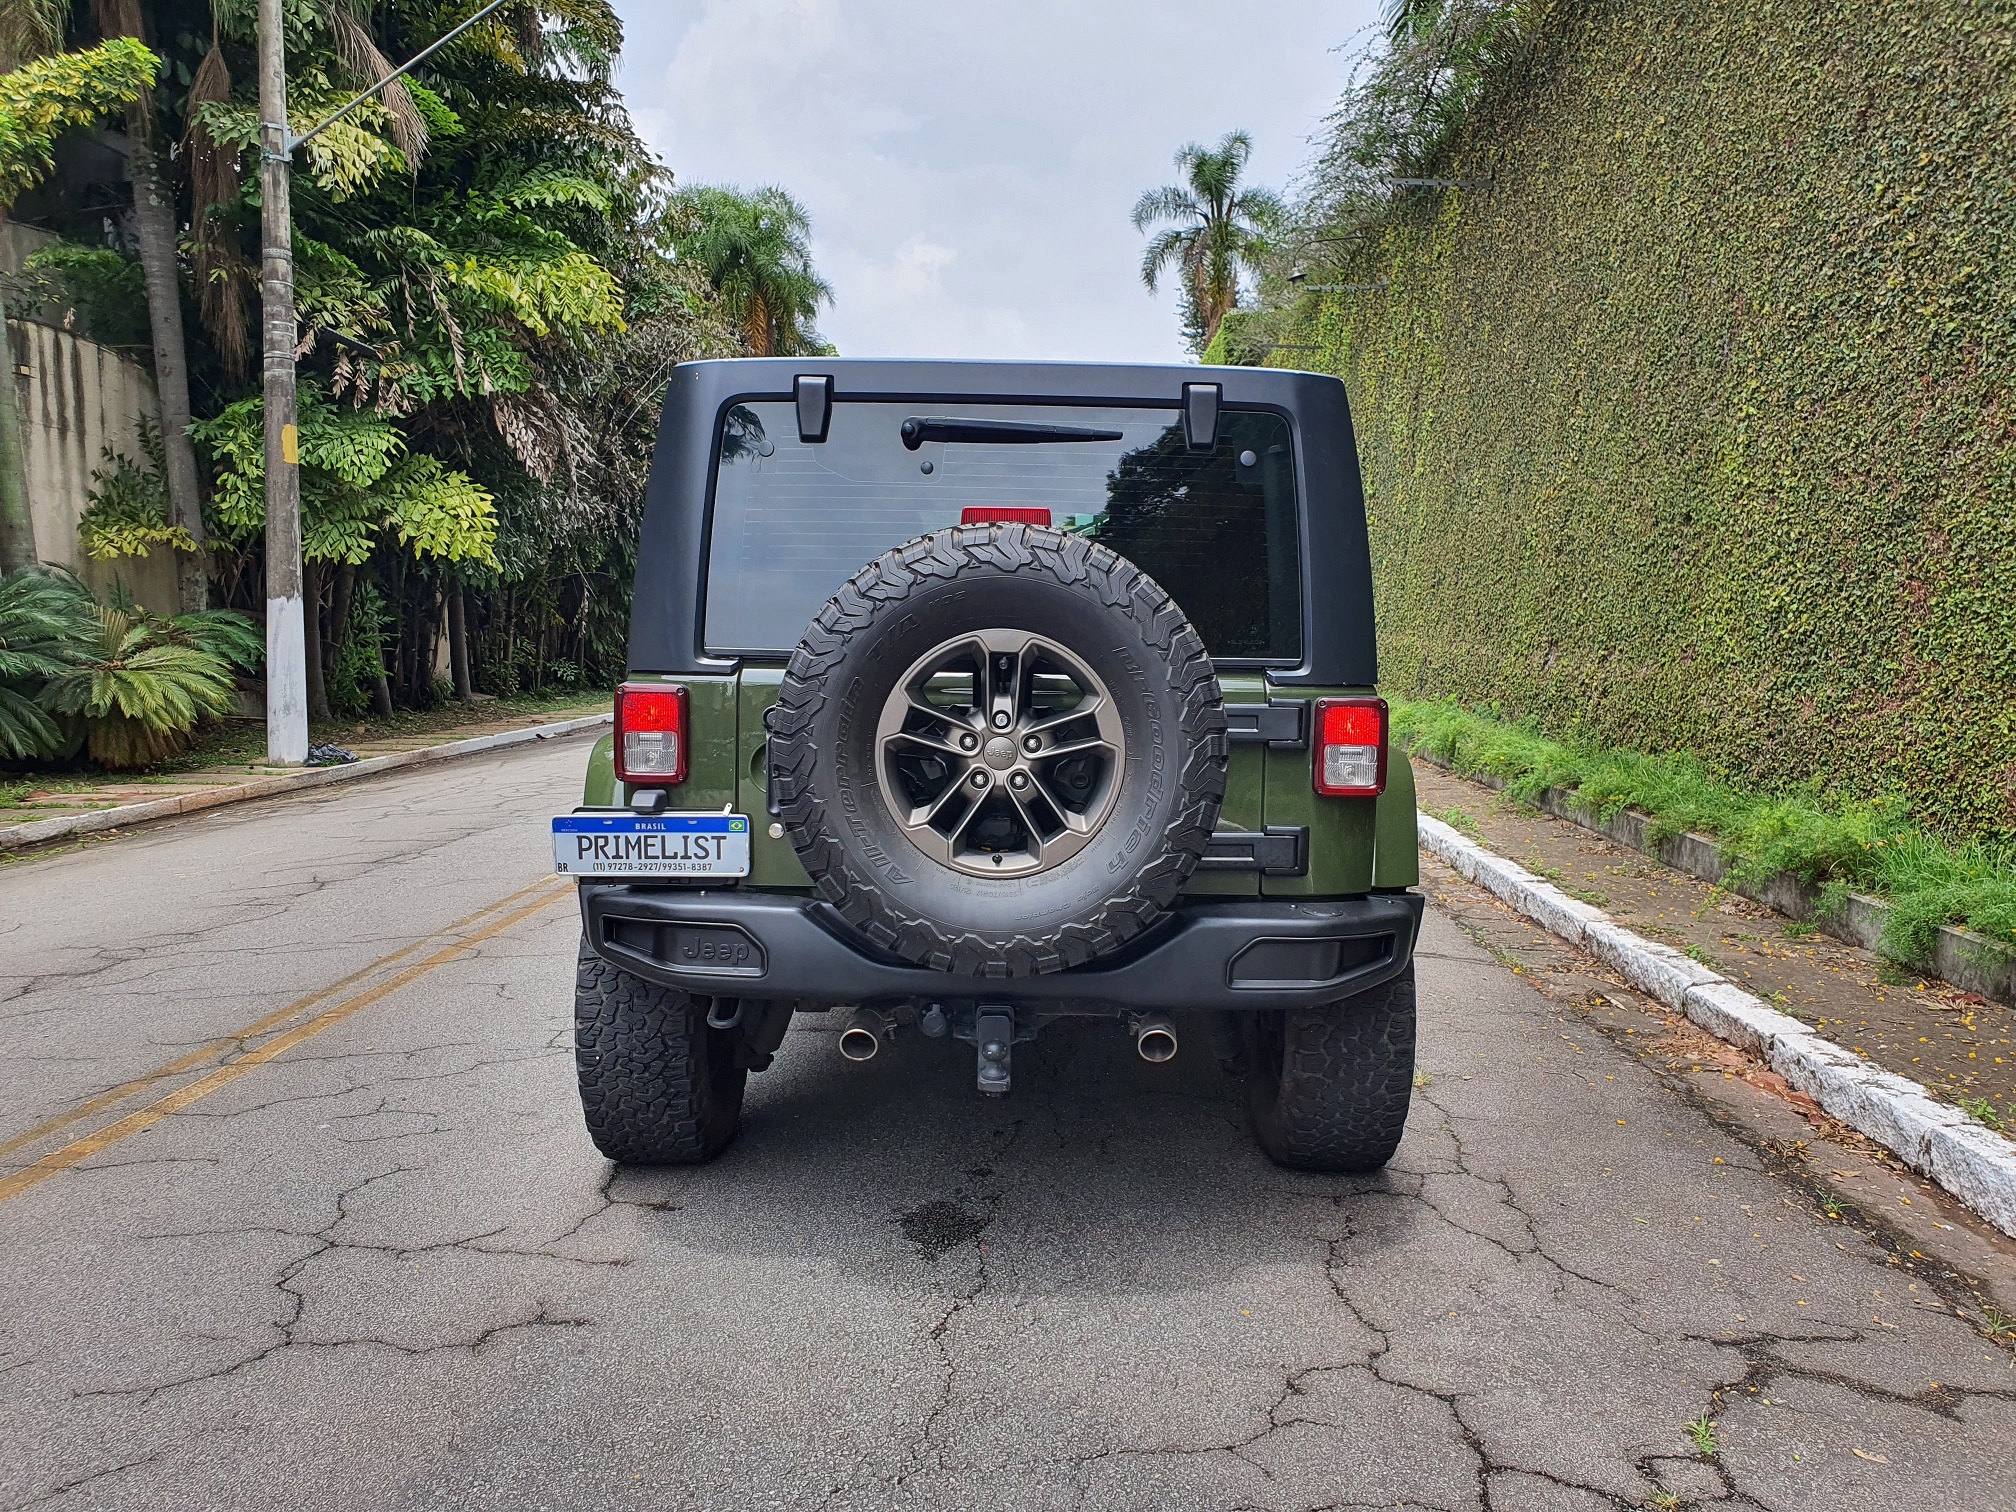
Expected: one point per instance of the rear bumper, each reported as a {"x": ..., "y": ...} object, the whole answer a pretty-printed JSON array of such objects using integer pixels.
[{"x": 1233, "y": 954}]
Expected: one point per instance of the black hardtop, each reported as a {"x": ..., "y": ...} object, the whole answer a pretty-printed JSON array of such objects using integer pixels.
[{"x": 665, "y": 628}]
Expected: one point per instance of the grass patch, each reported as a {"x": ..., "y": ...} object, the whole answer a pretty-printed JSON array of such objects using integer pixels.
[
  {"x": 1702, "y": 1431},
  {"x": 1457, "y": 819},
  {"x": 1834, "y": 844},
  {"x": 1981, "y": 1111}
]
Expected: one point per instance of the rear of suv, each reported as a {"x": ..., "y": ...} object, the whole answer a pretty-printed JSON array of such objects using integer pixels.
[{"x": 969, "y": 697}]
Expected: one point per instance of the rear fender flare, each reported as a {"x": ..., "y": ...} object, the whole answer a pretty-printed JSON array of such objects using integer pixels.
[{"x": 1396, "y": 847}]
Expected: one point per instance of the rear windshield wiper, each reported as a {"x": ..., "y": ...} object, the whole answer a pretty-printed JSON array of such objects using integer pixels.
[{"x": 921, "y": 428}]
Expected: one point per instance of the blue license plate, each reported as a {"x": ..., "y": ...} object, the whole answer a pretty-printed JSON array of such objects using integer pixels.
[{"x": 651, "y": 845}]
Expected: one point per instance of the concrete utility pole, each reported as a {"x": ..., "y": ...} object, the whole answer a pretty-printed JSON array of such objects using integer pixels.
[
  {"x": 288, "y": 621},
  {"x": 286, "y": 624}
]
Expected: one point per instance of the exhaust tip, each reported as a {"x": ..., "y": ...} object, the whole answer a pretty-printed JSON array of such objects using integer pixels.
[
  {"x": 1156, "y": 1043},
  {"x": 863, "y": 1037}
]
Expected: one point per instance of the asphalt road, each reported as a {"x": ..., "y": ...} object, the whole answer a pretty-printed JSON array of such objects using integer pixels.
[{"x": 377, "y": 1263}]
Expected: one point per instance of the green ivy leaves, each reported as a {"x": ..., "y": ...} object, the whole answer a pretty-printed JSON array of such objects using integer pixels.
[{"x": 1696, "y": 431}]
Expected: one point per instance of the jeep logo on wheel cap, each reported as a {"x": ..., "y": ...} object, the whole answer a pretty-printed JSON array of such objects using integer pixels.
[{"x": 1000, "y": 753}]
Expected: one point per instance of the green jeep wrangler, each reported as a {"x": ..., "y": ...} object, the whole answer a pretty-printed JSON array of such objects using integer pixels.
[{"x": 967, "y": 697}]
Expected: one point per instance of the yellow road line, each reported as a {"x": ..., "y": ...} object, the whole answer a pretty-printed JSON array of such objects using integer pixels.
[
  {"x": 102, "y": 1139},
  {"x": 237, "y": 1037}
]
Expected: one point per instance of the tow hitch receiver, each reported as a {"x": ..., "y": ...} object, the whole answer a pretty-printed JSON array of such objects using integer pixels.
[{"x": 994, "y": 1037}]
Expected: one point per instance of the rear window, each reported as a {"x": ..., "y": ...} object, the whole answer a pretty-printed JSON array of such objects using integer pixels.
[{"x": 792, "y": 521}]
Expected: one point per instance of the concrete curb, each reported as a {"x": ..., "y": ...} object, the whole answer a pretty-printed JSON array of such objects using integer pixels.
[
  {"x": 1974, "y": 1163},
  {"x": 63, "y": 827},
  {"x": 1970, "y": 961}
]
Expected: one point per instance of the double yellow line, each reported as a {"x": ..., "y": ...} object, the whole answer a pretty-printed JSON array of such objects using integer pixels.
[{"x": 527, "y": 900}]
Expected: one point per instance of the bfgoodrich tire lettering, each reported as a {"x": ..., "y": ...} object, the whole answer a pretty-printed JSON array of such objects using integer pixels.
[
  {"x": 658, "y": 1087},
  {"x": 979, "y": 578},
  {"x": 1329, "y": 1087}
]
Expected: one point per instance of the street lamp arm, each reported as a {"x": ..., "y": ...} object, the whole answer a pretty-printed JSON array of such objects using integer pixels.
[{"x": 418, "y": 58}]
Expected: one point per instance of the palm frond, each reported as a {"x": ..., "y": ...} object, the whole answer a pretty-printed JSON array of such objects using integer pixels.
[
  {"x": 140, "y": 686},
  {"x": 30, "y": 29},
  {"x": 45, "y": 622}
]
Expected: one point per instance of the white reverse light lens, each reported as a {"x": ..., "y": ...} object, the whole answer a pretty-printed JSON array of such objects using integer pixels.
[
  {"x": 1351, "y": 766},
  {"x": 650, "y": 753}
]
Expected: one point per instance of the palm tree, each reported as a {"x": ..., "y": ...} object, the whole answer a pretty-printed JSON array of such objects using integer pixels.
[
  {"x": 756, "y": 250},
  {"x": 1221, "y": 231}
]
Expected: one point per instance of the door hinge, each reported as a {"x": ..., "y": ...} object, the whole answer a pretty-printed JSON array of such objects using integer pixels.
[{"x": 1282, "y": 724}]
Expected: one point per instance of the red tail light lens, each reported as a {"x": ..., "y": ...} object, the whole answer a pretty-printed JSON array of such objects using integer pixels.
[
  {"x": 651, "y": 734},
  {"x": 991, "y": 514},
  {"x": 1350, "y": 747}
]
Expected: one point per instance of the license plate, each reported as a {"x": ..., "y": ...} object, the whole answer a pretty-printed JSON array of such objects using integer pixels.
[{"x": 651, "y": 845}]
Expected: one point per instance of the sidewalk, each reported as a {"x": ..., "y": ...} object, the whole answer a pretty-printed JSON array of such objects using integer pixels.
[
  {"x": 64, "y": 807},
  {"x": 1959, "y": 1045}
]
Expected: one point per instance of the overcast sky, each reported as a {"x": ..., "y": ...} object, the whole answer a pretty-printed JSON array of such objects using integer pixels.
[{"x": 969, "y": 167}]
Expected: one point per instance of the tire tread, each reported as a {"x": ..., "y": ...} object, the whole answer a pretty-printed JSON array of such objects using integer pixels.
[
  {"x": 658, "y": 1087},
  {"x": 879, "y": 589}
]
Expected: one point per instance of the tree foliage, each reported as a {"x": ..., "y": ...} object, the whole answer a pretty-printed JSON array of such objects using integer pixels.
[
  {"x": 490, "y": 299},
  {"x": 1223, "y": 229},
  {"x": 360, "y": 482},
  {"x": 128, "y": 514},
  {"x": 756, "y": 249},
  {"x": 41, "y": 100}
]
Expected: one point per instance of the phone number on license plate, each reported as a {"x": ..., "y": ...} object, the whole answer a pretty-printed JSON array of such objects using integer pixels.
[{"x": 654, "y": 845}]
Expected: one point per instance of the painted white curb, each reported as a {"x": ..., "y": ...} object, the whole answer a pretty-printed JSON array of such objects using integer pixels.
[
  {"x": 1974, "y": 1163},
  {"x": 42, "y": 831}
]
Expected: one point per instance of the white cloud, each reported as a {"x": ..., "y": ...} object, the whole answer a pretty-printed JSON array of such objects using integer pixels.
[{"x": 969, "y": 169}]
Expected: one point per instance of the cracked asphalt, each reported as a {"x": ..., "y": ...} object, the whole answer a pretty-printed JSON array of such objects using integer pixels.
[{"x": 385, "y": 1268}]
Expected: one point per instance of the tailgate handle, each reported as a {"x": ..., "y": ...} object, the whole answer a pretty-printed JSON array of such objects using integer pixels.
[{"x": 1282, "y": 724}]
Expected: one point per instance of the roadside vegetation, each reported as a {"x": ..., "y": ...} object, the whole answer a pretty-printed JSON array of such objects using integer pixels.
[
  {"x": 1838, "y": 845},
  {"x": 1216, "y": 230},
  {"x": 103, "y": 678},
  {"x": 494, "y": 280},
  {"x": 1670, "y": 331}
]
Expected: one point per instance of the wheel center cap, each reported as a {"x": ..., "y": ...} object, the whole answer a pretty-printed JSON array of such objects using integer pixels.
[{"x": 999, "y": 753}]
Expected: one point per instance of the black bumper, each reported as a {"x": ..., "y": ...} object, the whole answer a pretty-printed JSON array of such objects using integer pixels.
[{"x": 1227, "y": 954}]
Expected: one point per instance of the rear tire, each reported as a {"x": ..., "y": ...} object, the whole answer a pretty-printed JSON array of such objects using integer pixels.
[
  {"x": 658, "y": 1087},
  {"x": 1329, "y": 1087}
]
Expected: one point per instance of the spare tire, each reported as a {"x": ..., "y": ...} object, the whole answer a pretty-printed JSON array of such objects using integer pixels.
[{"x": 999, "y": 750}]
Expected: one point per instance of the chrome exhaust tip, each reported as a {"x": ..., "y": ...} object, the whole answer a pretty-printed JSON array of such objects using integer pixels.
[
  {"x": 862, "y": 1039},
  {"x": 1155, "y": 1038}
]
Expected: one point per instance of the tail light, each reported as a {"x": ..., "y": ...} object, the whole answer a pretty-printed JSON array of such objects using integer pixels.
[
  {"x": 651, "y": 734},
  {"x": 1350, "y": 747}
]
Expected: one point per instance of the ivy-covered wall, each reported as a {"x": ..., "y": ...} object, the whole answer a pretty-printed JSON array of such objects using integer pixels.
[{"x": 1695, "y": 430}]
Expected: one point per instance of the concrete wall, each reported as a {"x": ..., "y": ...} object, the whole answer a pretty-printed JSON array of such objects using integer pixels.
[{"x": 77, "y": 398}]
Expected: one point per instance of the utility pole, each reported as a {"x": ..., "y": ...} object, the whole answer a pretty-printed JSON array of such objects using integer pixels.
[
  {"x": 287, "y": 620},
  {"x": 286, "y": 624}
]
